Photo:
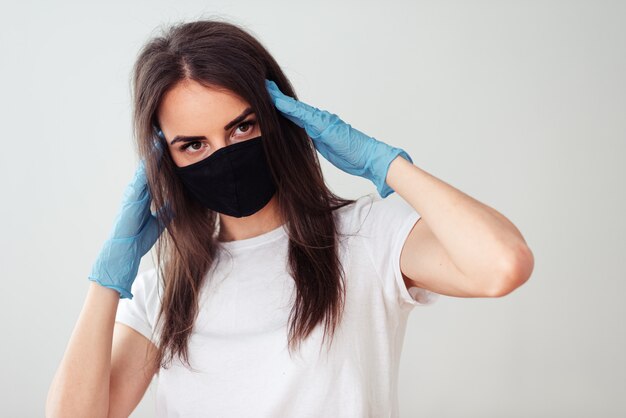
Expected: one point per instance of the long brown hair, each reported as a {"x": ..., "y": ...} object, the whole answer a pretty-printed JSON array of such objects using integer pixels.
[{"x": 218, "y": 53}]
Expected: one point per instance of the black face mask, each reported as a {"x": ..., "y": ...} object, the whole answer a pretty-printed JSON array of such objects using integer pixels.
[{"x": 235, "y": 180}]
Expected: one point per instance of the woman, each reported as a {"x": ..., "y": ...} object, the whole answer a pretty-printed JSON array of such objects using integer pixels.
[{"x": 259, "y": 264}]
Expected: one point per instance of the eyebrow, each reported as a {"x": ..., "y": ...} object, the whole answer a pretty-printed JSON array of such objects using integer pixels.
[{"x": 241, "y": 117}]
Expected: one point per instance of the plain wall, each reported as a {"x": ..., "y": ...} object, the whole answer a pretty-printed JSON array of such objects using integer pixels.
[{"x": 521, "y": 105}]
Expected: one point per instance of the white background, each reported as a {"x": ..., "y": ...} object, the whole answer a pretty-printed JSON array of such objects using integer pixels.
[{"x": 521, "y": 105}]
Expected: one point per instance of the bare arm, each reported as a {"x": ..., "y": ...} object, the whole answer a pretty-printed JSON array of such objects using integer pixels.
[
  {"x": 80, "y": 386},
  {"x": 474, "y": 250}
]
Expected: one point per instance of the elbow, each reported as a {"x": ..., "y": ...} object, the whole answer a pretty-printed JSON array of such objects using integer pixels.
[{"x": 517, "y": 270}]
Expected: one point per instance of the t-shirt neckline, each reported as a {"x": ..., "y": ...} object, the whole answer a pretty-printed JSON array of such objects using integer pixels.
[{"x": 264, "y": 238}]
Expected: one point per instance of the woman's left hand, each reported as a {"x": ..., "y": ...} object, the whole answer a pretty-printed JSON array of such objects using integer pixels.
[{"x": 344, "y": 146}]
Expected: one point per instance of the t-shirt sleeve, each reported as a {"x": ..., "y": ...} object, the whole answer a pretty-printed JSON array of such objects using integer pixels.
[
  {"x": 139, "y": 312},
  {"x": 385, "y": 224}
]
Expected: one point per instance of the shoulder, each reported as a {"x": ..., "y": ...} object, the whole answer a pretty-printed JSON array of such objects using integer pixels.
[
  {"x": 371, "y": 212},
  {"x": 348, "y": 217},
  {"x": 147, "y": 288},
  {"x": 148, "y": 278}
]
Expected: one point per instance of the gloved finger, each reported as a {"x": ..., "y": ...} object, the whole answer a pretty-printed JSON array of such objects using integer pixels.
[
  {"x": 288, "y": 105},
  {"x": 137, "y": 188},
  {"x": 283, "y": 102},
  {"x": 149, "y": 235},
  {"x": 312, "y": 119},
  {"x": 155, "y": 226},
  {"x": 132, "y": 217},
  {"x": 166, "y": 213},
  {"x": 157, "y": 149}
]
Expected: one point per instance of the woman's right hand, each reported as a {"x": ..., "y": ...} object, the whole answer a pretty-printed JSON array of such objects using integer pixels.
[{"x": 134, "y": 233}]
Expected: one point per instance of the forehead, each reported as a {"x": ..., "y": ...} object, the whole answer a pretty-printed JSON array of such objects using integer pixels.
[{"x": 190, "y": 106}]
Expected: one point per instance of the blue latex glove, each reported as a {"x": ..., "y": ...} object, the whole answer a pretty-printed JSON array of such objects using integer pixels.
[
  {"x": 135, "y": 231},
  {"x": 344, "y": 146}
]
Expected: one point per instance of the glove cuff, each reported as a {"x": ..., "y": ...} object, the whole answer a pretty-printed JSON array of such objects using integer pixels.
[
  {"x": 378, "y": 166},
  {"x": 124, "y": 293}
]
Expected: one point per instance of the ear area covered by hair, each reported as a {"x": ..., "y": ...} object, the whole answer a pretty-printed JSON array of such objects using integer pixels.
[{"x": 165, "y": 212}]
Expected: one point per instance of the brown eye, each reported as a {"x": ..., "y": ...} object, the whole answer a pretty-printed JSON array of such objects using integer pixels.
[
  {"x": 249, "y": 124},
  {"x": 191, "y": 144}
]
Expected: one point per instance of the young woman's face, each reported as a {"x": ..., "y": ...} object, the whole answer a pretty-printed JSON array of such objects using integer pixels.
[{"x": 197, "y": 121}]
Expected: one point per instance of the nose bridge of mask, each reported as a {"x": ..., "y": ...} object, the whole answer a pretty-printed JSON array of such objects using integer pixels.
[
  {"x": 224, "y": 143},
  {"x": 224, "y": 153}
]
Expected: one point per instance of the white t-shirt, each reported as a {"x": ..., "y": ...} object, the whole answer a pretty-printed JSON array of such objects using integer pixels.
[{"x": 239, "y": 342}]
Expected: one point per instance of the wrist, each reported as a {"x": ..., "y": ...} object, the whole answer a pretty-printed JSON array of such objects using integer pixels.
[{"x": 378, "y": 166}]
